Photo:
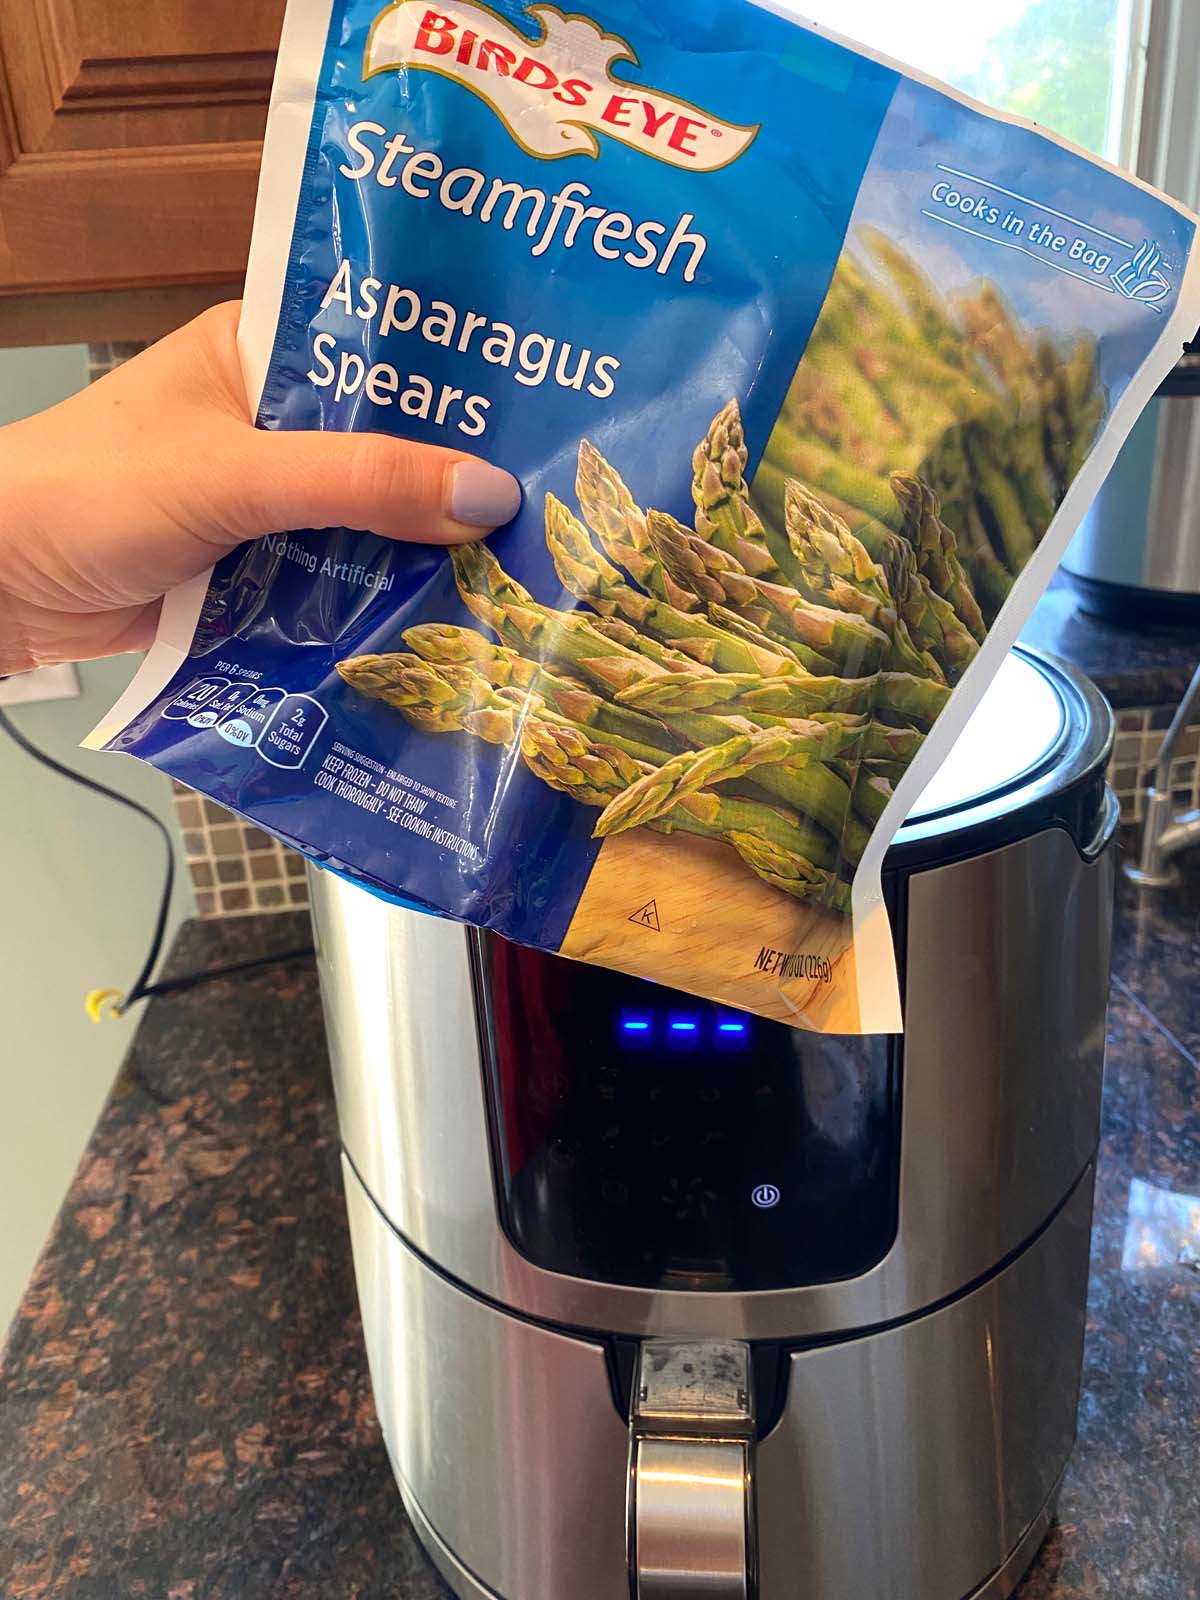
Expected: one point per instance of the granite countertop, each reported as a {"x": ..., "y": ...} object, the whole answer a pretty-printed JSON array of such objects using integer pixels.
[
  {"x": 1131, "y": 667},
  {"x": 184, "y": 1401}
]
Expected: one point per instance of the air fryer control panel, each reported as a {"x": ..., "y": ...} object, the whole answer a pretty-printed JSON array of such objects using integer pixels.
[{"x": 644, "y": 1137}]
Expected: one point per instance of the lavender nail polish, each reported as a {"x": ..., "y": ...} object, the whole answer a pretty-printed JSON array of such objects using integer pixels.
[{"x": 482, "y": 496}]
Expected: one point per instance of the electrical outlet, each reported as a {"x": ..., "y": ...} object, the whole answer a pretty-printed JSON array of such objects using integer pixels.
[{"x": 46, "y": 683}]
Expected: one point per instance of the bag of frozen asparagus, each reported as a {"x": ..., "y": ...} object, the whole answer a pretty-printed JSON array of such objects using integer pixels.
[{"x": 808, "y": 368}]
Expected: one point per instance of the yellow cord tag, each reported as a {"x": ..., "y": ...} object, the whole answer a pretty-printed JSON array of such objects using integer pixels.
[{"x": 102, "y": 1003}]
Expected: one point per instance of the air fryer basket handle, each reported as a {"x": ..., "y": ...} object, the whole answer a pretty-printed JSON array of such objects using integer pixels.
[{"x": 691, "y": 1488}]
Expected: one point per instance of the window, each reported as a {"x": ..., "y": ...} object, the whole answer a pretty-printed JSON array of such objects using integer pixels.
[{"x": 1062, "y": 63}]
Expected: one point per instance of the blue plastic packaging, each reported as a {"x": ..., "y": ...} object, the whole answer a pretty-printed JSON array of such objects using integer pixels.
[{"x": 807, "y": 367}]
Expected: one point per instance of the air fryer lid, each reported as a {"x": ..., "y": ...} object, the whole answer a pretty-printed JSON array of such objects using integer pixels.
[
  {"x": 1032, "y": 756},
  {"x": 1016, "y": 731}
]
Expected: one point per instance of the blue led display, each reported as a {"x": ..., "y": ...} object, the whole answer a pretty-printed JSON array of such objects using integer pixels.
[{"x": 643, "y": 1028}]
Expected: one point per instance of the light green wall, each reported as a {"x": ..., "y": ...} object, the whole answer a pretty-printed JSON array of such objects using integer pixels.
[
  {"x": 79, "y": 885},
  {"x": 31, "y": 380}
]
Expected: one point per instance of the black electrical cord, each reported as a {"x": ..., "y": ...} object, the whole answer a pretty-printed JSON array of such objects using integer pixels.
[
  {"x": 189, "y": 980},
  {"x": 142, "y": 988}
]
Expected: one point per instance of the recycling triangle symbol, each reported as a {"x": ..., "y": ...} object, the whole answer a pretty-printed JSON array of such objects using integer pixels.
[{"x": 647, "y": 916}]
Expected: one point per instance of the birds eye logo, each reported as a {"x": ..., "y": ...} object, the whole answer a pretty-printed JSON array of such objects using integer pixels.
[{"x": 556, "y": 93}]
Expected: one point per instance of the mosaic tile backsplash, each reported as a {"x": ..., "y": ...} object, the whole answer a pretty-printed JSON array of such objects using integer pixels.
[
  {"x": 236, "y": 868},
  {"x": 1140, "y": 732}
]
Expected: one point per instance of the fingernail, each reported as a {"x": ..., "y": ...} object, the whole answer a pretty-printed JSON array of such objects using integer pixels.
[{"x": 482, "y": 496}]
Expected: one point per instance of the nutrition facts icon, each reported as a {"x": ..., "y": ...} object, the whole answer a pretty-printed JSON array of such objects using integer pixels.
[
  {"x": 292, "y": 730},
  {"x": 197, "y": 694},
  {"x": 220, "y": 704},
  {"x": 245, "y": 725},
  {"x": 281, "y": 727}
]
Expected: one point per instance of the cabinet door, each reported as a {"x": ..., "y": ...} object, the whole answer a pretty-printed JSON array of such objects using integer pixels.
[{"x": 130, "y": 138}]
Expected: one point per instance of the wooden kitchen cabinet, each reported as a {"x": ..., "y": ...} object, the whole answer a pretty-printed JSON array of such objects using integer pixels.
[{"x": 130, "y": 139}]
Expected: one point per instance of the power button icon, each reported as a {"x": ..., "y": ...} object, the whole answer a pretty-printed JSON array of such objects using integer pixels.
[{"x": 765, "y": 1196}]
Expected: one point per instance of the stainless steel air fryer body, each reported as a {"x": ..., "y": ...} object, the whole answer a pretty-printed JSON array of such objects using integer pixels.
[
  {"x": 668, "y": 1301},
  {"x": 1136, "y": 557}
]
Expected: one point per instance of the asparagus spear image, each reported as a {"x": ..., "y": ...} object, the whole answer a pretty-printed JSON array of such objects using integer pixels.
[
  {"x": 892, "y": 771},
  {"x": 937, "y": 550},
  {"x": 567, "y": 760},
  {"x": 819, "y": 791},
  {"x": 847, "y": 639},
  {"x": 442, "y": 645},
  {"x": 872, "y": 792},
  {"x": 990, "y": 578},
  {"x": 810, "y": 661},
  {"x": 872, "y": 740},
  {"x": 830, "y": 559},
  {"x": 724, "y": 514},
  {"x": 787, "y": 870},
  {"x": 685, "y": 781},
  {"x": 511, "y": 612},
  {"x": 1000, "y": 503},
  {"x": 838, "y": 567},
  {"x": 933, "y": 397},
  {"x": 711, "y": 575},
  {"x": 925, "y": 305},
  {"x": 771, "y": 845},
  {"x": 747, "y": 693},
  {"x": 715, "y": 519},
  {"x": 1081, "y": 402},
  {"x": 621, "y": 632},
  {"x": 452, "y": 698},
  {"x": 897, "y": 376},
  {"x": 994, "y": 330},
  {"x": 944, "y": 645},
  {"x": 694, "y": 770},
  {"x": 869, "y": 389},
  {"x": 605, "y": 658},
  {"x": 839, "y": 396},
  {"x": 790, "y": 454},
  {"x": 458, "y": 699},
  {"x": 1056, "y": 427},
  {"x": 585, "y": 572},
  {"x": 620, "y": 525},
  {"x": 606, "y": 502},
  {"x": 446, "y": 698}
]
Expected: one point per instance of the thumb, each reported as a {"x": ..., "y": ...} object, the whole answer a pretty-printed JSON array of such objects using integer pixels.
[{"x": 371, "y": 481}]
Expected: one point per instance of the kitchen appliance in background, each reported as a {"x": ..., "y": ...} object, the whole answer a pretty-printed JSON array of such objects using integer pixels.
[
  {"x": 1136, "y": 558},
  {"x": 667, "y": 1300}
]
